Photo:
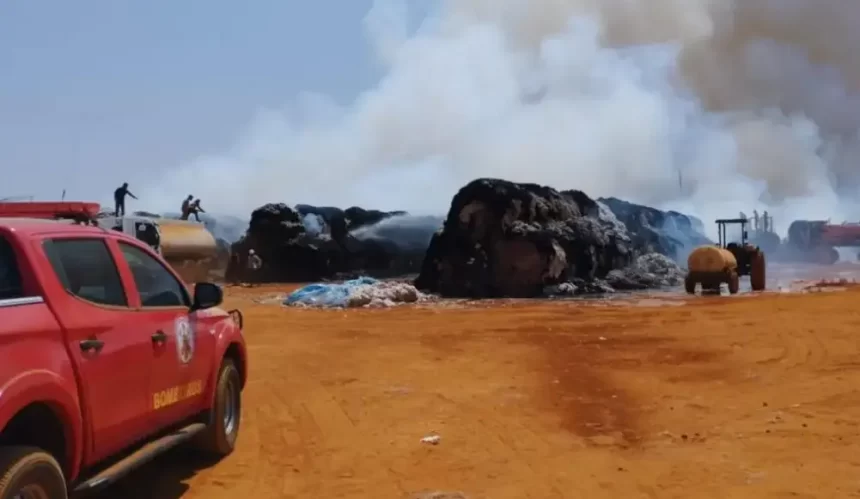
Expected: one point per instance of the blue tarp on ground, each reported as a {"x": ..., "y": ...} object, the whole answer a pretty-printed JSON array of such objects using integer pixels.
[{"x": 327, "y": 295}]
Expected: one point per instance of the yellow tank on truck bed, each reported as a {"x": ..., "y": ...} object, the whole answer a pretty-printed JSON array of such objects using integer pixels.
[
  {"x": 183, "y": 240},
  {"x": 189, "y": 248},
  {"x": 711, "y": 259}
]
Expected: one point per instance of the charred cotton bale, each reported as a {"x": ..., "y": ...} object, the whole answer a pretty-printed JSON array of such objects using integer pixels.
[
  {"x": 711, "y": 266},
  {"x": 502, "y": 239},
  {"x": 668, "y": 233}
]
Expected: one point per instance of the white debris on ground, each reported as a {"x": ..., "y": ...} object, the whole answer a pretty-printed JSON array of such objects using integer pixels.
[
  {"x": 385, "y": 294},
  {"x": 432, "y": 439},
  {"x": 562, "y": 289},
  {"x": 651, "y": 270},
  {"x": 361, "y": 292},
  {"x": 438, "y": 494},
  {"x": 269, "y": 299}
]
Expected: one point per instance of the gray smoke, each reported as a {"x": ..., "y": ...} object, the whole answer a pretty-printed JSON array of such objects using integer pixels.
[{"x": 704, "y": 106}]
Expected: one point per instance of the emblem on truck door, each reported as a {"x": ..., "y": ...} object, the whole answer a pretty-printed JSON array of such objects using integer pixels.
[{"x": 184, "y": 340}]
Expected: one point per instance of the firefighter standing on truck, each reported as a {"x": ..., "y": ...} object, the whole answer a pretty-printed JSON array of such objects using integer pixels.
[
  {"x": 186, "y": 207},
  {"x": 195, "y": 209},
  {"x": 119, "y": 199}
]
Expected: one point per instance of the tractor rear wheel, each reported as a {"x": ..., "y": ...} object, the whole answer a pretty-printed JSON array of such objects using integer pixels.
[
  {"x": 734, "y": 283},
  {"x": 758, "y": 271}
]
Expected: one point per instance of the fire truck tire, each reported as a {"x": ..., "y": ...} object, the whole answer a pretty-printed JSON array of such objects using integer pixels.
[
  {"x": 734, "y": 282},
  {"x": 224, "y": 419},
  {"x": 758, "y": 272},
  {"x": 30, "y": 473}
]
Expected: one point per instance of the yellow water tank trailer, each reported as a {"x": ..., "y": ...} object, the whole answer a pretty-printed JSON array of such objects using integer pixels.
[
  {"x": 711, "y": 259},
  {"x": 711, "y": 266}
]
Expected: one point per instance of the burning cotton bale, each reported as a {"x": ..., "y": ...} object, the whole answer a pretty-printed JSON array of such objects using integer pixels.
[
  {"x": 668, "y": 233},
  {"x": 507, "y": 239},
  {"x": 309, "y": 243}
]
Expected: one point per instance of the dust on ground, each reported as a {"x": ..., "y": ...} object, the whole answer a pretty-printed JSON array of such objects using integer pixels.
[{"x": 715, "y": 397}]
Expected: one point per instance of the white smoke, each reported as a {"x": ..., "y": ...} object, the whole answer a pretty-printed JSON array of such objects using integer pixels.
[
  {"x": 313, "y": 223},
  {"x": 407, "y": 231},
  {"x": 704, "y": 106}
]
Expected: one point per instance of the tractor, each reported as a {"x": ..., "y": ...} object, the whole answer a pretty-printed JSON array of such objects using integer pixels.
[{"x": 726, "y": 261}]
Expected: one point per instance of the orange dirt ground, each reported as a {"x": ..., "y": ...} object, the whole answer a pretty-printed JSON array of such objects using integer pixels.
[{"x": 709, "y": 397}]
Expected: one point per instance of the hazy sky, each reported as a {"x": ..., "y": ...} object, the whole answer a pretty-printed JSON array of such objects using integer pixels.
[
  {"x": 99, "y": 91},
  {"x": 168, "y": 94}
]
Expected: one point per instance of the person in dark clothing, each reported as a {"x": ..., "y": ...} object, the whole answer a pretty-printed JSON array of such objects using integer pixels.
[
  {"x": 119, "y": 199},
  {"x": 186, "y": 207},
  {"x": 196, "y": 209},
  {"x": 234, "y": 268}
]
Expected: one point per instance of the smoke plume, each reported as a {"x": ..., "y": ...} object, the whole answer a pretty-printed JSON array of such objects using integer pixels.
[
  {"x": 409, "y": 232},
  {"x": 710, "y": 107}
]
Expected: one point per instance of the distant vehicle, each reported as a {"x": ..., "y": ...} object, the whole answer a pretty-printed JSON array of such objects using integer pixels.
[
  {"x": 817, "y": 240},
  {"x": 108, "y": 359},
  {"x": 188, "y": 246}
]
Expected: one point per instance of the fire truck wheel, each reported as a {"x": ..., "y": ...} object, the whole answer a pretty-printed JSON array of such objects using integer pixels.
[
  {"x": 758, "y": 272},
  {"x": 226, "y": 414},
  {"x": 30, "y": 473}
]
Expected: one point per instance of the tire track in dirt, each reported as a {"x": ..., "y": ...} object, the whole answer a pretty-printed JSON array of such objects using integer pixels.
[
  {"x": 515, "y": 447},
  {"x": 322, "y": 427},
  {"x": 292, "y": 446},
  {"x": 779, "y": 355},
  {"x": 268, "y": 457},
  {"x": 581, "y": 368},
  {"x": 803, "y": 349},
  {"x": 248, "y": 471},
  {"x": 528, "y": 458}
]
